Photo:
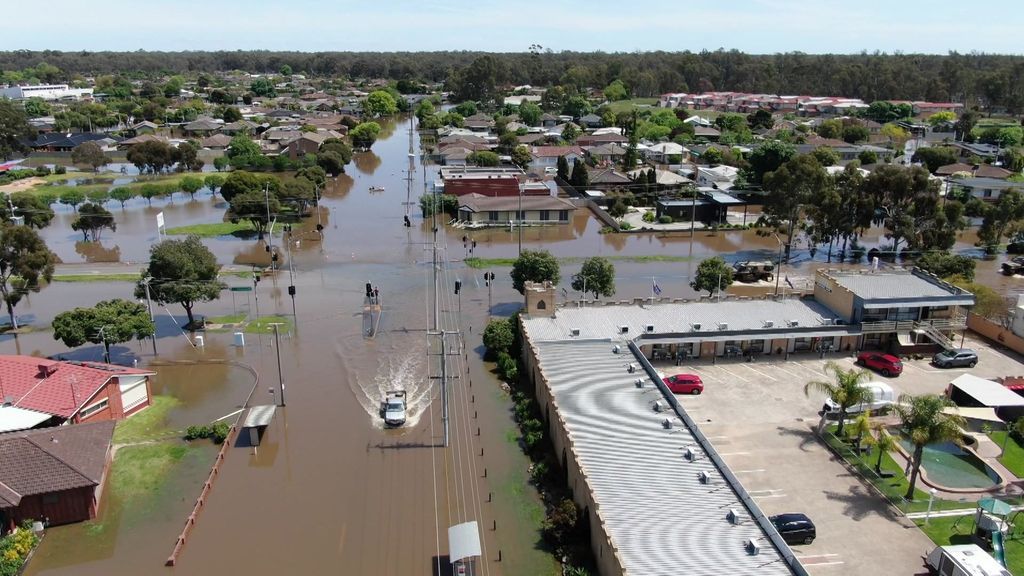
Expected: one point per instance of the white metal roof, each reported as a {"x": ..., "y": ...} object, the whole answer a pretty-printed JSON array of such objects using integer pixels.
[
  {"x": 660, "y": 517},
  {"x": 259, "y": 416},
  {"x": 889, "y": 286},
  {"x": 989, "y": 393},
  {"x": 463, "y": 541},
  {"x": 14, "y": 418}
]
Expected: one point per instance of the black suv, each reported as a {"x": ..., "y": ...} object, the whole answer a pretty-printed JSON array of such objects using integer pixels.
[
  {"x": 951, "y": 358},
  {"x": 795, "y": 528}
]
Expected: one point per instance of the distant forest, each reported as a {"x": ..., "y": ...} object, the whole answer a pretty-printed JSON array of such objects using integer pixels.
[{"x": 975, "y": 79}]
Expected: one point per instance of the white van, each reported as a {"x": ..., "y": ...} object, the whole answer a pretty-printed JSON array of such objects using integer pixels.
[
  {"x": 882, "y": 394},
  {"x": 964, "y": 560}
]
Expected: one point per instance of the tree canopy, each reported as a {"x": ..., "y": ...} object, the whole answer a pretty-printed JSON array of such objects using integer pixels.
[
  {"x": 596, "y": 276},
  {"x": 24, "y": 261},
  {"x": 364, "y": 135},
  {"x": 534, "y": 266},
  {"x": 91, "y": 154},
  {"x": 91, "y": 220},
  {"x": 14, "y": 129},
  {"x": 109, "y": 322},
  {"x": 712, "y": 275},
  {"x": 183, "y": 272}
]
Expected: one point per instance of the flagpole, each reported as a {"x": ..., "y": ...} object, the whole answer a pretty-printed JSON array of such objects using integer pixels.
[{"x": 654, "y": 282}]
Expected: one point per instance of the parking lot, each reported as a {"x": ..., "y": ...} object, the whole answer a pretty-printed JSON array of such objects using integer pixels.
[{"x": 759, "y": 419}]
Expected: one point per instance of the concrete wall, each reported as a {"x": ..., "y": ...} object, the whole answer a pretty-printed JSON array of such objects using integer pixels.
[{"x": 838, "y": 299}]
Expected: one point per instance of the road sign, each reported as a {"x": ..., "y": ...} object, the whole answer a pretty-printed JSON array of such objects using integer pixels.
[{"x": 241, "y": 288}]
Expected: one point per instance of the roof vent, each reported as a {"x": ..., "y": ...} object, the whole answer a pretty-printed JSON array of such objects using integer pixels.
[
  {"x": 753, "y": 547},
  {"x": 667, "y": 424},
  {"x": 8, "y": 401},
  {"x": 574, "y": 332},
  {"x": 704, "y": 477},
  {"x": 689, "y": 454},
  {"x": 695, "y": 327},
  {"x": 794, "y": 323},
  {"x": 723, "y": 325},
  {"x": 616, "y": 349},
  {"x": 639, "y": 382},
  {"x": 828, "y": 321},
  {"x": 46, "y": 370},
  {"x": 631, "y": 368},
  {"x": 658, "y": 407},
  {"x": 769, "y": 323},
  {"x": 733, "y": 516},
  {"x": 623, "y": 329},
  {"x": 650, "y": 328}
]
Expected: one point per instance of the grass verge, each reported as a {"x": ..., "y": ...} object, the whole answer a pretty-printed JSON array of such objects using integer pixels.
[
  {"x": 943, "y": 533},
  {"x": 140, "y": 470},
  {"x": 212, "y": 229},
  {"x": 229, "y": 319},
  {"x": 1013, "y": 455},
  {"x": 262, "y": 325},
  {"x": 129, "y": 277},
  {"x": 627, "y": 105},
  {"x": 146, "y": 424}
]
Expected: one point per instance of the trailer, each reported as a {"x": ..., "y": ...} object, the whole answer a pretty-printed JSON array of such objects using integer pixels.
[{"x": 964, "y": 560}]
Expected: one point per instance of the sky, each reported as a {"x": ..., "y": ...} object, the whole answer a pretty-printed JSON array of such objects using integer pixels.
[{"x": 753, "y": 26}]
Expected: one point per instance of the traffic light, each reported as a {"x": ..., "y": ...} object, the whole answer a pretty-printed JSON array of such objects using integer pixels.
[{"x": 458, "y": 286}]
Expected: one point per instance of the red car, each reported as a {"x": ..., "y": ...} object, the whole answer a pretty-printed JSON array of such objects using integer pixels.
[
  {"x": 886, "y": 364},
  {"x": 684, "y": 384}
]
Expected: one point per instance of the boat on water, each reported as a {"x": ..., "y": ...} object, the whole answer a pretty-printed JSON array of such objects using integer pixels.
[{"x": 376, "y": 188}]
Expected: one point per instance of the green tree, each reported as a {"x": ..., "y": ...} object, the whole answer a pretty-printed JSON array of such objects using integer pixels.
[
  {"x": 90, "y": 154},
  {"x": 183, "y": 272},
  {"x": 826, "y": 156},
  {"x": 521, "y": 156},
  {"x": 563, "y": 168},
  {"x": 577, "y": 106},
  {"x": 483, "y": 158},
  {"x": 298, "y": 192},
  {"x": 534, "y": 266},
  {"x": 153, "y": 155},
  {"x": 242, "y": 146},
  {"x": 762, "y": 119},
  {"x": 866, "y": 157},
  {"x": 941, "y": 118},
  {"x": 122, "y": 194},
  {"x": 616, "y": 91},
  {"x": 231, "y": 114},
  {"x": 768, "y": 157},
  {"x": 425, "y": 110},
  {"x": 256, "y": 207},
  {"x": 339, "y": 147},
  {"x": 213, "y": 182},
  {"x": 712, "y": 274},
  {"x": 36, "y": 212},
  {"x": 790, "y": 188},
  {"x": 712, "y": 156},
  {"x": 37, "y": 107},
  {"x": 580, "y": 178},
  {"x": 286, "y": 70},
  {"x": 846, "y": 391},
  {"x": 72, "y": 197},
  {"x": 945, "y": 265},
  {"x": 467, "y": 108},
  {"x": 240, "y": 182},
  {"x": 99, "y": 196},
  {"x": 924, "y": 421},
  {"x": 907, "y": 201},
  {"x": 498, "y": 337},
  {"x": 91, "y": 220},
  {"x": 380, "y": 103},
  {"x": 1002, "y": 217},
  {"x": 570, "y": 133},
  {"x": 618, "y": 209},
  {"x": 832, "y": 129},
  {"x": 530, "y": 113},
  {"x": 364, "y": 135},
  {"x": 935, "y": 157},
  {"x": 24, "y": 260},
  {"x": 883, "y": 442},
  {"x": 439, "y": 203},
  {"x": 14, "y": 130},
  {"x": 263, "y": 87},
  {"x": 854, "y": 133},
  {"x": 109, "y": 322},
  {"x": 187, "y": 156},
  {"x": 190, "y": 185},
  {"x": 596, "y": 276},
  {"x": 331, "y": 162}
]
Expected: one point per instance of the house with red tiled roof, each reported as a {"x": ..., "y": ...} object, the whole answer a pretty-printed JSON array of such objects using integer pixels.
[
  {"x": 53, "y": 475},
  {"x": 38, "y": 392}
]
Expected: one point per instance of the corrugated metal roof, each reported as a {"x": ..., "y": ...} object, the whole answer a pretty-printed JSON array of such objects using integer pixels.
[
  {"x": 677, "y": 318},
  {"x": 14, "y": 418},
  {"x": 259, "y": 416},
  {"x": 890, "y": 286},
  {"x": 987, "y": 392},
  {"x": 659, "y": 516}
]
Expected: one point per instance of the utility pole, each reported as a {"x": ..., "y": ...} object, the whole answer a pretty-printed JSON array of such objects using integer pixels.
[
  {"x": 149, "y": 306},
  {"x": 255, "y": 294},
  {"x": 291, "y": 278},
  {"x": 277, "y": 345},
  {"x": 443, "y": 378},
  {"x": 519, "y": 216},
  {"x": 270, "y": 228}
]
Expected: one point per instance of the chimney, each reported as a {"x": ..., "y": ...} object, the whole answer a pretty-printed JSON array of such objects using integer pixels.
[{"x": 47, "y": 370}]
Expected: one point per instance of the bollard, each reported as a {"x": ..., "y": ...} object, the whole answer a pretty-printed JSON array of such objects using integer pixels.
[
  {"x": 494, "y": 527},
  {"x": 499, "y": 554},
  {"x": 467, "y": 367},
  {"x": 489, "y": 496},
  {"x": 485, "y": 472},
  {"x": 481, "y": 449},
  {"x": 473, "y": 398},
  {"x": 478, "y": 433},
  {"x": 474, "y": 414}
]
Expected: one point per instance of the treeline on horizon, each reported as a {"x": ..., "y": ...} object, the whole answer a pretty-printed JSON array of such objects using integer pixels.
[{"x": 985, "y": 79}]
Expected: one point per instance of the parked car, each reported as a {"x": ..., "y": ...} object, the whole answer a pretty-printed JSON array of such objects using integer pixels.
[
  {"x": 795, "y": 528},
  {"x": 684, "y": 384},
  {"x": 951, "y": 358},
  {"x": 885, "y": 364},
  {"x": 882, "y": 398}
]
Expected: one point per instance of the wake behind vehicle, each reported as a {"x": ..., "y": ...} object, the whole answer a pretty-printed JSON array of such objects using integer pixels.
[{"x": 393, "y": 408}]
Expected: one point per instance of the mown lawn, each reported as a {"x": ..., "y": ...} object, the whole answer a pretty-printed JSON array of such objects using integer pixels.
[
  {"x": 263, "y": 325},
  {"x": 147, "y": 424},
  {"x": 141, "y": 469},
  {"x": 941, "y": 531},
  {"x": 1013, "y": 456},
  {"x": 213, "y": 229},
  {"x": 129, "y": 277}
]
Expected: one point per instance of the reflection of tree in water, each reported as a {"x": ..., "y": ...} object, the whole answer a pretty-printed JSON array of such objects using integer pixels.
[
  {"x": 96, "y": 252},
  {"x": 337, "y": 188},
  {"x": 255, "y": 254},
  {"x": 366, "y": 162},
  {"x": 388, "y": 125}
]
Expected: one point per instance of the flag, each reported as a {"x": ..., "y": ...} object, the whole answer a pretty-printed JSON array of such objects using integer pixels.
[
  {"x": 656, "y": 289},
  {"x": 790, "y": 283}
]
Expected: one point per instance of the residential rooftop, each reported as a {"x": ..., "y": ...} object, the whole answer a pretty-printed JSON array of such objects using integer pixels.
[{"x": 901, "y": 285}]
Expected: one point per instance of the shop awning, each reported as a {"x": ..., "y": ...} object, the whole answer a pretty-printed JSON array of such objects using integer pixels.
[{"x": 463, "y": 541}]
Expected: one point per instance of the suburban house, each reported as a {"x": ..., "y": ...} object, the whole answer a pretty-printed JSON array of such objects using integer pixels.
[
  {"x": 500, "y": 210},
  {"x": 463, "y": 180},
  {"x": 721, "y": 176},
  {"x": 606, "y": 153},
  {"x": 144, "y": 127},
  {"x": 46, "y": 92},
  {"x": 53, "y": 475},
  {"x": 598, "y": 138},
  {"x": 547, "y": 156},
  {"x": 976, "y": 170},
  {"x": 62, "y": 142},
  {"x": 667, "y": 153},
  {"x": 202, "y": 127},
  {"x": 988, "y": 189},
  {"x": 591, "y": 121},
  {"x": 706, "y": 133},
  {"x": 39, "y": 391}
]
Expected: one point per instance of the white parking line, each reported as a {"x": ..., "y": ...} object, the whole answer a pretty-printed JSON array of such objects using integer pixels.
[
  {"x": 816, "y": 564},
  {"x": 733, "y": 453},
  {"x": 735, "y": 375},
  {"x": 762, "y": 374},
  {"x": 779, "y": 367},
  {"x": 748, "y": 471}
]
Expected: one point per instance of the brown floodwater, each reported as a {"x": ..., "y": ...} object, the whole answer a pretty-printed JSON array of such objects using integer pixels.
[{"x": 330, "y": 490}]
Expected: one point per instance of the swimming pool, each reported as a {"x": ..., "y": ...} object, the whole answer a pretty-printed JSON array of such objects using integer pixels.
[{"x": 948, "y": 465}]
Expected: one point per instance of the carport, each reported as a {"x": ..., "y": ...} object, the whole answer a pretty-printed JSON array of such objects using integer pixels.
[
  {"x": 256, "y": 421},
  {"x": 973, "y": 392}
]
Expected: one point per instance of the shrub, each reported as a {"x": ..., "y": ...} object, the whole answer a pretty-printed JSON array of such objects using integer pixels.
[
  {"x": 42, "y": 171},
  {"x": 60, "y": 170},
  {"x": 625, "y": 226},
  {"x": 649, "y": 216},
  {"x": 1017, "y": 430},
  {"x": 665, "y": 219},
  {"x": 539, "y": 472},
  {"x": 15, "y": 548},
  {"x": 198, "y": 432},
  {"x": 219, "y": 432},
  {"x": 498, "y": 337}
]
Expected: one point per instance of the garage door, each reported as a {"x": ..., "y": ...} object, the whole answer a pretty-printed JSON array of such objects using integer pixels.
[{"x": 133, "y": 392}]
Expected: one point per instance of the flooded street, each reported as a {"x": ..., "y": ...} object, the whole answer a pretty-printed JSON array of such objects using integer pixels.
[{"x": 331, "y": 490}]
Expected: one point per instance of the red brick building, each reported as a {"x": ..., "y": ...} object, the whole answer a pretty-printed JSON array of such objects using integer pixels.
[
  {"x": 54, "y": 475},
  {"x": 58, "y": 392}
]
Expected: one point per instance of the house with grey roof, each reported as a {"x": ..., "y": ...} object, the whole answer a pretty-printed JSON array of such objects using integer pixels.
[
  {"x": 988, "y": 189},
  {"x": 481, "y": 210}
]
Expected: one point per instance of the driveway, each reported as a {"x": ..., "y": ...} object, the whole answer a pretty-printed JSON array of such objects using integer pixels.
[{"x": 758, "y": 417}]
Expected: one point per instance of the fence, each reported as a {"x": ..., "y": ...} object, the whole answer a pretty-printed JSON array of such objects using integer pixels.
[{"x": 995, "y": 332}]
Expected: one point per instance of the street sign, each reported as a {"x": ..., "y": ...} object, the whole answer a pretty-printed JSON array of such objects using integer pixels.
[{"x": 241, "y": 288}]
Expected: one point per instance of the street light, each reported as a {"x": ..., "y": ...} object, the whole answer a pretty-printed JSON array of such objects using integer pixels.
[{"x": 778, "y": 273}]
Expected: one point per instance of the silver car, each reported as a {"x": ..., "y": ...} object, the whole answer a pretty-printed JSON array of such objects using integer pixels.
[{"x": 952, "y": 358}]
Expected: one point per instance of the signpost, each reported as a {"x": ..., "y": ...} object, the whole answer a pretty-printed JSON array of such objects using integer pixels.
[{"x": 159, "y": 225}]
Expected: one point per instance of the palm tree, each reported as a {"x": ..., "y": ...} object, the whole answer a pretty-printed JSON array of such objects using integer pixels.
[
  {"x": 861, "y": 426},
  {"x": 883, "y": 442},
  {"x": 924, "y": 422},
  {"x": 846, "y": 391}
]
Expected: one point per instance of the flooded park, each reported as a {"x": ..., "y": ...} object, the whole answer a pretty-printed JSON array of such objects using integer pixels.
[{"x": 330, "y": 489}]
